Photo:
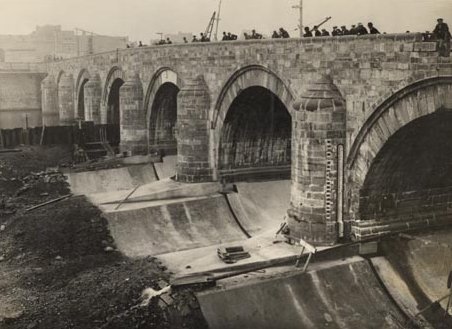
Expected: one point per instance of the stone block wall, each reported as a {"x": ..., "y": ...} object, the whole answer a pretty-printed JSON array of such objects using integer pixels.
[{"x": 20, "y": 99}]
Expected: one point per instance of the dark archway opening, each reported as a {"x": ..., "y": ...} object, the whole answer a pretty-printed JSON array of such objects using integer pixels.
[
  {"x": 162, "y": 122},
  {"x": 81, "y": 101},
  {"x": 412, "y": 174},
  {"x": 114, "y": 114},
  {"x": 256, "y": 137}
]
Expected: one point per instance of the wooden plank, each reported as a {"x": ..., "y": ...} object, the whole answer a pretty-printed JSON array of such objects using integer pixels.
[{"x": 48, "y": 202}]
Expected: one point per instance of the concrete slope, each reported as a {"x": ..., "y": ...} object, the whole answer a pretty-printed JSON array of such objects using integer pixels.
[
  {"x": 152, "y": 194},
  {"x": 174, "y": 226},
  {"x": 107, "y": 180},
  {"x": 261, "y": 206},
  {"x": 341, "y": 294},
  {"x": 166, "y": 168},
  {"x": 415, "y": 272}
]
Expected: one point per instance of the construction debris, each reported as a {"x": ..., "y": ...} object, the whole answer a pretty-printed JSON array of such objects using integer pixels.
[
  {"x": 49, "y": 202},
  {"x": 231, "y": 255}
]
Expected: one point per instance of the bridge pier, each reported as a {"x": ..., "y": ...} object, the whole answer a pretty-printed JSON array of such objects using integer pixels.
[
  {"x": 92, "y": 99},
  {"x": 66, "y": 100},
  {"x": 319, "y": 128},
  {"x": 193, "y": 132},
  {"x": 133, "y": 117},
  {"x": 49, "y": 95}
]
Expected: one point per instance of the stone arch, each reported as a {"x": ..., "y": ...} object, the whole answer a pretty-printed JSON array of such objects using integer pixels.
[
  {"x": 254, "y": 76},
  {"x": 249, "y": 76},
  {"x": 244, "y": 78},
  {"x": 413, "y": 102},
  {"x": 82, "y": 78},
  {"x": 115, "y": 73},
  {"x": 163, "y": 77}
]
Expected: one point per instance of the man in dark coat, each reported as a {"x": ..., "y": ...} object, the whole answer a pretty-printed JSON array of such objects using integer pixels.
[
  {"x": 361, "y": 30},
  {"x": 307, "y": 32},
  {"x": 372, "y": 29},
  {"x": 336, "y": 32},
  {"x": 442, "y": 35},
  {"x": 344, "y": 30},
  {"x": 283, "y": 33},
  {"x": 317, "y": 33}
]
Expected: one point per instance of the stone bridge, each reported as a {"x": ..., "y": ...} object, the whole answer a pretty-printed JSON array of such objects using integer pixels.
[{"x": 362, "y": 124}]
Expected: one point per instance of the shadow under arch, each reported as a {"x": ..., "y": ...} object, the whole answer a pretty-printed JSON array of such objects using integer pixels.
[
  {"x": 160, "y": 104},
  {"x": 393, "y": 124},
  {"x": 248, "y": 83}
]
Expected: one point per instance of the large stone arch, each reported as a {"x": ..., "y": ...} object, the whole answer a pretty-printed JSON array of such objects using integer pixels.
[
  {"x": 82, "y": 78},
  {"x": 413, "y": 102},
  {"x": 162, "y": 77},
  {"x": 246, "y": 77},
  {"x": 115, "y": 72}
]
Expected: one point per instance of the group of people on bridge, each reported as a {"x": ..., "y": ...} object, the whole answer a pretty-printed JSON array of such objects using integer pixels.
[
  {"x": 441, "y": 35},
  {"x": 358, "y": 29}
]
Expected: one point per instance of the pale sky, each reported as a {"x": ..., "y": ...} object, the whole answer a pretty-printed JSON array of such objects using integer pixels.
[{"x": 142, "y": 19}]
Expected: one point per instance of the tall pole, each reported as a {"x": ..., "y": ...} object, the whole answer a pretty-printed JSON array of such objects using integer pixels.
[
  {"x": 300, "y": 23},
  {"x": 218, "y": 21}
]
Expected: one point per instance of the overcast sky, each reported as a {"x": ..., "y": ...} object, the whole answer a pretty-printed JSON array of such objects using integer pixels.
[{"x": 142, "y": 19}]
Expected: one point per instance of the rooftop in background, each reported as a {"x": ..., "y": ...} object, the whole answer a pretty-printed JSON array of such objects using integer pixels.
[{"x": 50, "y": 42}]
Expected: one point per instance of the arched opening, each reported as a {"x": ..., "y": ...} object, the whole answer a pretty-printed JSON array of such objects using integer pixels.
[
  {"x": 113, "y": 113},
  {"x": 81, "y": 101},
  {"x": 256, "y": 136},
  {"x": 162, "y": 121},
  {"x": 411, "y": 175}
]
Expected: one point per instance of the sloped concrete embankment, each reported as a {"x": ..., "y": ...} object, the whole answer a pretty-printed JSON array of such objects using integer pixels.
[
  {"x": 415, "y": 270},
  {"x": 338, "y": 294}
]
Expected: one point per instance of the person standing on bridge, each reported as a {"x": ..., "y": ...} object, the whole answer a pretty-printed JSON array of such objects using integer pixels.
[
  {"x": 307, "y": 32},
  {"x": 344, "y": 30},
  {"x": 283, "y": 33},
  {"x": 225, "y": 37},
  {"x": 325, "y": 33},
  {"x": 336, "y": 32},
  {"x": 317, "y": 33},
  {"x": 275, "y": 35},
  {"x": 442, "y": 36},
  {"x": 372, "y": 29},
  {"x": 361, "y": 30}
]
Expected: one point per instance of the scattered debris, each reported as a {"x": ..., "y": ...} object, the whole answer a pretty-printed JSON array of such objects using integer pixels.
[
  {"x": 148, "y": 294},
  {"x": 231, "y": 255},
  {"x": 311, "y": 251},
  {"x": 10, "y": 151},
  {"x": 109, "y": 249}
]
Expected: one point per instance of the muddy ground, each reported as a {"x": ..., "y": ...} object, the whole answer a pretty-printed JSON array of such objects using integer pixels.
[{"x": 58, "y": 264}]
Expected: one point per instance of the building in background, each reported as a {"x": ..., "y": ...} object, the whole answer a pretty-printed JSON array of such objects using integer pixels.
[{"x": 50, "y": 42}]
